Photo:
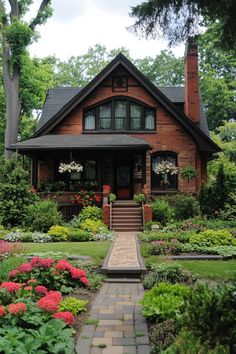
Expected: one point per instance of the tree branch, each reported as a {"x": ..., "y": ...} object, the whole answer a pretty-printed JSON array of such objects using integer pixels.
[{"x": 37, "y": 18}]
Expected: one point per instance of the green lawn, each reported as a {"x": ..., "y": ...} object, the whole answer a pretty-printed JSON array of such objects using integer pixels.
[
  {"x": 217, "y": 270},
  {"x": 97, "y": 250}
]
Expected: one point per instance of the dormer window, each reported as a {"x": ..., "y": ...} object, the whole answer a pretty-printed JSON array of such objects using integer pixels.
[{"x": 120, "y": 114}]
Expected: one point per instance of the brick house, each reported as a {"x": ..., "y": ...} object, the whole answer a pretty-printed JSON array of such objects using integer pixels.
[{"x": 118, "y": 127}]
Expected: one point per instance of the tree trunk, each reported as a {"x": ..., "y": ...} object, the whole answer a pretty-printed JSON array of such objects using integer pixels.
[{"x": 13, "y": 108}]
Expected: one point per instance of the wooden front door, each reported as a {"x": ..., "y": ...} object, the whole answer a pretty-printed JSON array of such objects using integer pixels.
[{"x": 123, "y": 180}]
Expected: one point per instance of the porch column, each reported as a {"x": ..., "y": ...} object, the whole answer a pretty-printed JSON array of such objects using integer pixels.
[
  {"x": 99, "y": 171},
  {"x": 148, "y": 174},
  {"x": 34, "y": 172}
]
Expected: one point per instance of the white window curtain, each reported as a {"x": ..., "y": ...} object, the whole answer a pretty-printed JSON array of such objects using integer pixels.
[
  {"x": 149, "y": 120},
  {"x": 90, "y": 122}
]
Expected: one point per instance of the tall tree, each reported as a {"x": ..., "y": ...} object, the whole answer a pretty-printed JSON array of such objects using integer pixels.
[
  {"x": 16, "y": 36},
  {"x": 176, "y": 20}
]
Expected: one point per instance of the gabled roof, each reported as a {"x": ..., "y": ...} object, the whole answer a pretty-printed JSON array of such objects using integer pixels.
[{"x": 203, "y": 141}]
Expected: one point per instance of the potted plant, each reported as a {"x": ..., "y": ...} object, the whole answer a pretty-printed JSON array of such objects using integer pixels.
[{"x": 165, "y": 169}]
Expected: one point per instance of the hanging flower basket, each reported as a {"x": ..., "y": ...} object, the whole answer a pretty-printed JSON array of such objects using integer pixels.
[
  {"x": 70, "y": 167},
  {"x": 165, "y": 169}
]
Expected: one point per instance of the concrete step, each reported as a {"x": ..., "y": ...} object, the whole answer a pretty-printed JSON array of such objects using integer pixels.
[{"x": 123, "y": 280}]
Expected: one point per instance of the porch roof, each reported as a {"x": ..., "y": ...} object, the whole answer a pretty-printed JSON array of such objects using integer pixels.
[{"x": 82, "y": 142}]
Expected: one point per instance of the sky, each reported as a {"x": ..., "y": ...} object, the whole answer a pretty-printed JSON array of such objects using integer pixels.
[{"x": 77, "y": 25}]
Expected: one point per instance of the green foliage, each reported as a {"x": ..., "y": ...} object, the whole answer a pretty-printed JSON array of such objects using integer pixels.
[
  {"x": 15, "y": 192},
  {"x": 152, "y": 225},
  {"x": 90, "y": 212},
  {"x": 74, "y": 222},
  {"x": 139, "y": 198},
  {"x": 51, "y": 337},
  {"x": 111, "y": 197},
  {"x": 184, "y": 206},
  {"x": 161, "y": 211},
  {"x": 164, "y": 301},
  {"x": 162, "y": 335},
  {"x": 167, "y": 272},
  {"x": 59, "y": 233},
  {"x": 94, "y": 226},
  {"x": 186, "y": 342},
  {"x": 19, "y": 36},
  {"x": 210, "y": 313},
  {"x": 188, "y": 173},
  {"x": 80, "y": 235},
  {"x": 9, "y": 264},
  {"x": 181, "y": 236},
  {"x": 210, "y": 238},
  {"x": 178, "y": 21},
  {"x": 73, "y": 305},
  {"x": 166, "y": 247},
  {"x": 42, "y": 215}
]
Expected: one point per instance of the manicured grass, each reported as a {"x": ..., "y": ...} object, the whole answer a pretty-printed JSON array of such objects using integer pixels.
[
  {"x": 96, "y": 250},
  {"x": 217, "y": 269}
]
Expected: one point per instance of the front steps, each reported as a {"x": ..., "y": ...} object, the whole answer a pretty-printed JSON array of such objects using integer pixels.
[{"x": 126, "y": 216}]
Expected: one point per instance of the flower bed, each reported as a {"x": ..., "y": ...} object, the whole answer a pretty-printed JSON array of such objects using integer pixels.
[{"x": 33, "y": 313}]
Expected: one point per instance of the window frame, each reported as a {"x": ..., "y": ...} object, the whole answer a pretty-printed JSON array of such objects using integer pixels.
[
  {"x": 112, "y": 100},
  {"x": 175, "y": 177}
]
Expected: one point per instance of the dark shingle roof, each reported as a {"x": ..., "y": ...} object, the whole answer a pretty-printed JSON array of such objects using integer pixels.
[
  {"x": 56, "y": 98},
  {"x": 174, "y": 93},
  {"x": 83, "y": 141}
]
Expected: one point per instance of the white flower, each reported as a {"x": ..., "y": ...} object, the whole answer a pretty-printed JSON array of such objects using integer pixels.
[
  {"x": 72, "y": 166},
  {"x": 165, "y": 167}
]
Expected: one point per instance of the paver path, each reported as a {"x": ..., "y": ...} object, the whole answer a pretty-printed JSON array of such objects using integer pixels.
[
  {"x": 117, "y": 325},
  {"x": 124, "y": 251}
]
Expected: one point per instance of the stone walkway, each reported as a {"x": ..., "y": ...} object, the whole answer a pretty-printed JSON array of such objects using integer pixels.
[
  {"x": 124, "y": 252},
  {"x": 115, "y": 324}
]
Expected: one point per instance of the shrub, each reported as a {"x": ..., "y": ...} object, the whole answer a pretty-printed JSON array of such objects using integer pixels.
[
  {"x": 210, "y": 314},
  {"x": 167, "y": 272},
  {"x": 188, "y": 173},
  {"x": 139, "y": 198},
  {"x": 59, "y": 233},
  {"x": 210, "y": 238},
  {"x": 15, "y": 193},
  {"x": 186, "y": 342},
  {"x": 164, "y": 301},
  {"x": 73, "y": 305},
  {"x": 185, "y": 206},
  {"x": 75, "y": 222},
  {"x": 91, "y": 212},
  {"x": 163, "y": 334},
  {"x": 164, "y": 247},
  {"x": 94, "y": 226},
  {"x": 161, "y": 211},
  {"x": 42, "y": 215},
  {"x": 111, "y": 197},
  {"x": 39, "y": 237},
  {"x": 80, "y": 235},
  {"x": 151, "y": 225}
]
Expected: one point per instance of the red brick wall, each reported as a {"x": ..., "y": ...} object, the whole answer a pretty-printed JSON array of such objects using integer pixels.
[{"x": 169, "y": 136}]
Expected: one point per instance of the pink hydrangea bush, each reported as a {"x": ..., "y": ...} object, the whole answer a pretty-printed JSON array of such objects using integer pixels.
[{"x": 49, "y": 273}]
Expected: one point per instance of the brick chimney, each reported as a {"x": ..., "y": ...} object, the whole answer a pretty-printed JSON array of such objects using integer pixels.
[{"x": 192, "y": 96}]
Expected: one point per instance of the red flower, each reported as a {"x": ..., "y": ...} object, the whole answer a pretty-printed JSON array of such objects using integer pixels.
[
  {"x": 46, "y": 262},
  {"x": 54, "y": 295},
  {"x": 35, "y": 261},
  {"x": 40, "y": 289},
  {"x": 48, "y": 304},
  {"x": 15, "y": 309},
  {"x": 63, "y": 264},
  {"x": 31, "y": 281},
  {"x": 2, "y": 311},
  {"x": 13, "y": 273},
  {"x": 77, "y": 273},
  {"x": 25, "y": 268},
  {"x": 84, "y": 280},
  {"x": 11, "y": 287},
  {"x": 66, "y": 316},
  {"x": 28, "y": 288}
]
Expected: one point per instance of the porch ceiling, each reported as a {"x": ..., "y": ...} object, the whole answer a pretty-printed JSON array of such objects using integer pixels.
[{"x": 82, "y": 142}]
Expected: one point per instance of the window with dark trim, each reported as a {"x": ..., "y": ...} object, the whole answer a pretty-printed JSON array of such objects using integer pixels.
[
  {"x": 159, "y": 181},
  {"x": 120, "y": 114}
]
